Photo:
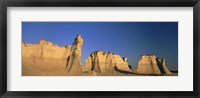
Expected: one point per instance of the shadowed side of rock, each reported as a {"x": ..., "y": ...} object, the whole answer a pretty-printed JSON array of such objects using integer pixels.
[{"x": 162, "y": 66}]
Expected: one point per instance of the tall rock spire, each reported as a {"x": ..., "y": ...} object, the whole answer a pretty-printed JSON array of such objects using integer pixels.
[{"x": 74, "y": 65}]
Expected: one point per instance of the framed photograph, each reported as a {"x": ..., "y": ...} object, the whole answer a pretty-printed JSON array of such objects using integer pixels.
[{"x": 74, "y": 48}]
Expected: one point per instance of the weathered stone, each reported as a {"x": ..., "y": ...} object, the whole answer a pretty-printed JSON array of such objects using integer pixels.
[
  {"x": 44, "y": 57},
  {"x": 101, "y": 62},
  {"x": 162, "y": 66},
  {"x": 74, "y": 65},
  {"x": 149, "y": 64}
]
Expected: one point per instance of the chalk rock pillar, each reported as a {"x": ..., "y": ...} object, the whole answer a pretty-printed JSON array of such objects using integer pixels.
[{"x": 74, "y": 65}]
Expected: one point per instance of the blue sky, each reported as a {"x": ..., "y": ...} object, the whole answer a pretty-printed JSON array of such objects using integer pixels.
[{"x": 128, "y": 39}]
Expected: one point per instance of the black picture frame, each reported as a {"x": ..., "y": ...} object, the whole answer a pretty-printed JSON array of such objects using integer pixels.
[{"x": 98, "y": 3}]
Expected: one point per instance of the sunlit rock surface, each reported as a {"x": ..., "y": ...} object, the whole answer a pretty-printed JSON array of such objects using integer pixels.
[
  {"x": 44, "y": 58},
  {"x": 74, "y": 64},
  {"x": 102, "y": 62},
  {"x": 150, "y": 64},
  {"x": 47, "y": 59}
]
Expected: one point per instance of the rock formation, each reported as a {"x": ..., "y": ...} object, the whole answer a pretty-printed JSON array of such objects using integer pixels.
[
  {"x": 44, "y": 56},
  {"x": 74, "y": 65},
  {"x": 150, "y": 64},
  {"x": 162, "y": 66},
  {"x": 101, "y": 62}
]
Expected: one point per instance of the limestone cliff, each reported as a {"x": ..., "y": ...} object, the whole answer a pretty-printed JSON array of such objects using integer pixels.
[
  {"x": 44, "y": 56},
  {"x": 150, "y": 64},
  {"x": 100, "y": 62}
]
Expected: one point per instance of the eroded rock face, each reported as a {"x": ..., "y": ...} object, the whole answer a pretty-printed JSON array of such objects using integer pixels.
[
  {"x": 150, "y": 64},
  {"x": 44, "y": 56},
  {"x": 162, "y": 66},
  {"x": 100, "y": 62},
  {"x": 74, "y": 64}
]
